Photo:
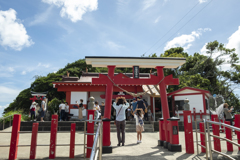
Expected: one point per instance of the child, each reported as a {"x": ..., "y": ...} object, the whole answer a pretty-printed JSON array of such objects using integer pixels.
[{"x": 139, "y": 123}]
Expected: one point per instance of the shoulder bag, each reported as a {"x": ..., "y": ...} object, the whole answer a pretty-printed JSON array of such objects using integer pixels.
[{"x": 117, "y": 115}]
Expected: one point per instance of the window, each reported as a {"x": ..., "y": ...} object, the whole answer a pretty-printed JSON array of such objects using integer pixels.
[{"x": 179, "y": 104}]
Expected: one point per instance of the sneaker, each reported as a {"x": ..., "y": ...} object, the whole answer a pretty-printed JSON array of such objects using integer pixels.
[{"x": 140, "y": 141}]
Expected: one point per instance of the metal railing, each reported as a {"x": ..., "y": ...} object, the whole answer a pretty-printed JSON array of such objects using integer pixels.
[
  {"x": 221, "y": 138},
  {"x": 204, "y": 133},
  {"x": 97, "y": 140},
  {"x": 3, "y": 120}
]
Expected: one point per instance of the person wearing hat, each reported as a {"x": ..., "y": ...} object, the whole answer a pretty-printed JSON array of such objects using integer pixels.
[
  {"x": 43, "y": 106},
  {"x": 32, "y": 111},
  {"x": 102, "y": 109}
]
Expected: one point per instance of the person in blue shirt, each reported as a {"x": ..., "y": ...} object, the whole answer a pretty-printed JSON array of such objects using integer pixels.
[
  {"x": 120, "y": 105},
  {"x": 134, "y": 104}
]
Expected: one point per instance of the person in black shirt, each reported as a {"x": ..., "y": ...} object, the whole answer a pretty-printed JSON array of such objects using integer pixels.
[{"x": 141, "y": 104}]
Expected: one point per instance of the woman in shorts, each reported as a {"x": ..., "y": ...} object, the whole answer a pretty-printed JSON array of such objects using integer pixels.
[{"x": 139, "y": 123}]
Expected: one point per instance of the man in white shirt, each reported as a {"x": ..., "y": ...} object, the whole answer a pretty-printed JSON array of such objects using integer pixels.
[
  {"x": 62, "y": 111},
  {"x": 43, "y": 105},
  {"x": 120, "y": 105}
]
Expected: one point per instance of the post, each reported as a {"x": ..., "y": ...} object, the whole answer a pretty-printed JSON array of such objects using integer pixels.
[
  {"x": 228, "y": 132},
  {"x": 216, "y": 141},
  {"x": 106, "y": 134},
  {"x": 164, "y": 101},
  {"x": 90, "y": 129},
  {"x": 14, "y": 137},
  {"x": 200, "y": 114},
  {"x": 72, "y": 140},
  {"x": 194, "y": 113},
  {"x": 34, "y": 141},
  {"x": 107, "y": 112},
  {"x": 173, "y": 135},
  {"x": 154, "y": 112},
  {"x": 202, "y": 137},
  {"x": 162, "y": 137},
  {"x": 188, "y": 130},
  {"x": 53, "y": 137},
  {"x": 237, "y": 124}
]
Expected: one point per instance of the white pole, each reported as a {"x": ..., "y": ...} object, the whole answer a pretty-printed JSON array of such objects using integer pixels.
[{"x": 154, "y": 108}]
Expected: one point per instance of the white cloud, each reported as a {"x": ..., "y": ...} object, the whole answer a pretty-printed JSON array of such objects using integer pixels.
[
  {"x": 234, "y": 41},
  {"x": 23, "y": 73},
  {"x": 114, "y": 46},
  {"x": 10, "y": 69},
  {"x": 148, "y": 3},
  {"x": 43, "y": 65},
  {"x": 202, "y": 1},
  {"x": 74, "y": 9},
  {"x": 185, "y": 40},
  {"x": 12, "y": 32},
  {"x": 40, "y": 18},
  {"x": 8, "y": 94},
  {"x": 157, "y": 19},
  {"x": 3, "y": 107}
]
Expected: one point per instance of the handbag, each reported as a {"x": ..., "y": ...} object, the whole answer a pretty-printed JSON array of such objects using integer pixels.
[
  {"x": 117, "y": 115},
  {"x": 146, "y": 110}
]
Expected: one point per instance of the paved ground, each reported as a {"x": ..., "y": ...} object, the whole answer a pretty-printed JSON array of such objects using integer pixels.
[{"x": 148, "y": 149}]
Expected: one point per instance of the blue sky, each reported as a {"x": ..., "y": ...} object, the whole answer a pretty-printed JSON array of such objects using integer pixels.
[{"x": 42, "y": 36}]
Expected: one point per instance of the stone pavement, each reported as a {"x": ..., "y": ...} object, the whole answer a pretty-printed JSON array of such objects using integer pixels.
[{"x": 148, "y": 149}]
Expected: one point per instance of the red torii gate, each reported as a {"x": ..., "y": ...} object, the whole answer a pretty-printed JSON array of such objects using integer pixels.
[{"x": 121, "y": 79}]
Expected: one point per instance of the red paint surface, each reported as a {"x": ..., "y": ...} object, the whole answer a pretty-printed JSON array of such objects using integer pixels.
[
  {"x": 237, "y": 124},
  {"x": 90, "y": 129},
  {"x": 174, "y": 138},
  {"x": 72, "y": 140},
  {"x": 35, "y": 98},
  {"x": 161, "y": 131},
  {"x": 188, "y": 130},
  {"x": 216, "y": 132},
  {"x": 53, "y": 137},
  {"x": 14, "y": 137},
  {"x": 202, "y": 137},
  {"x": 106, "y": 133},
  {"x": 34, "y": 141},
  {"x": 228, "y": 132}
]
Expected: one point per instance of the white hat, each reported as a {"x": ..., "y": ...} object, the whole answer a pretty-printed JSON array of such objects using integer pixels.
[{"x": 34, "y": 103}]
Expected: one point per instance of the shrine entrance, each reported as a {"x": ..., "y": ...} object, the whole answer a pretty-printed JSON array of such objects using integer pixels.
[{"x": 111, "y": 80}]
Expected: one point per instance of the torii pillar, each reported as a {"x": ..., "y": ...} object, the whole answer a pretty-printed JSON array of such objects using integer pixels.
[
  {"x": 107, "y": 148},
  {"x": 164, "y": 101}
]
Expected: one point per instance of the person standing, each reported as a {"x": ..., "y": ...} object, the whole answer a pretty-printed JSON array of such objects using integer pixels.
[
  {"x": 134, "y": 104},
  {"x": 32, "y": 111},
  {"x": 62, "y": 111},
  {"x": 43, "y": 105},
  {"x": 102, "y": 109},
  {"x": 66, "y": 111},
  {"x": 97, "y": 110},
  {"x": 80, "y": 107},
  {"x": 228, "y": 113},
  {"x": 120, "y": 105},
  {"x": 146, "y": 110},
  {"x": 141, "y": 104},
  {"x": 139, "y": 123}
]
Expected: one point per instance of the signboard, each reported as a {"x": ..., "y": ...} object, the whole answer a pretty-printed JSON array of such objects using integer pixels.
[
  {"x": 189, "y": 118},
  {"x": 175, "y": 130},
  {"x": 135, "y": 71}
]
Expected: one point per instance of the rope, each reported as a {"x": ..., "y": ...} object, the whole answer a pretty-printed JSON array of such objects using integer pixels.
[{"x": 134, "y": 94}]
